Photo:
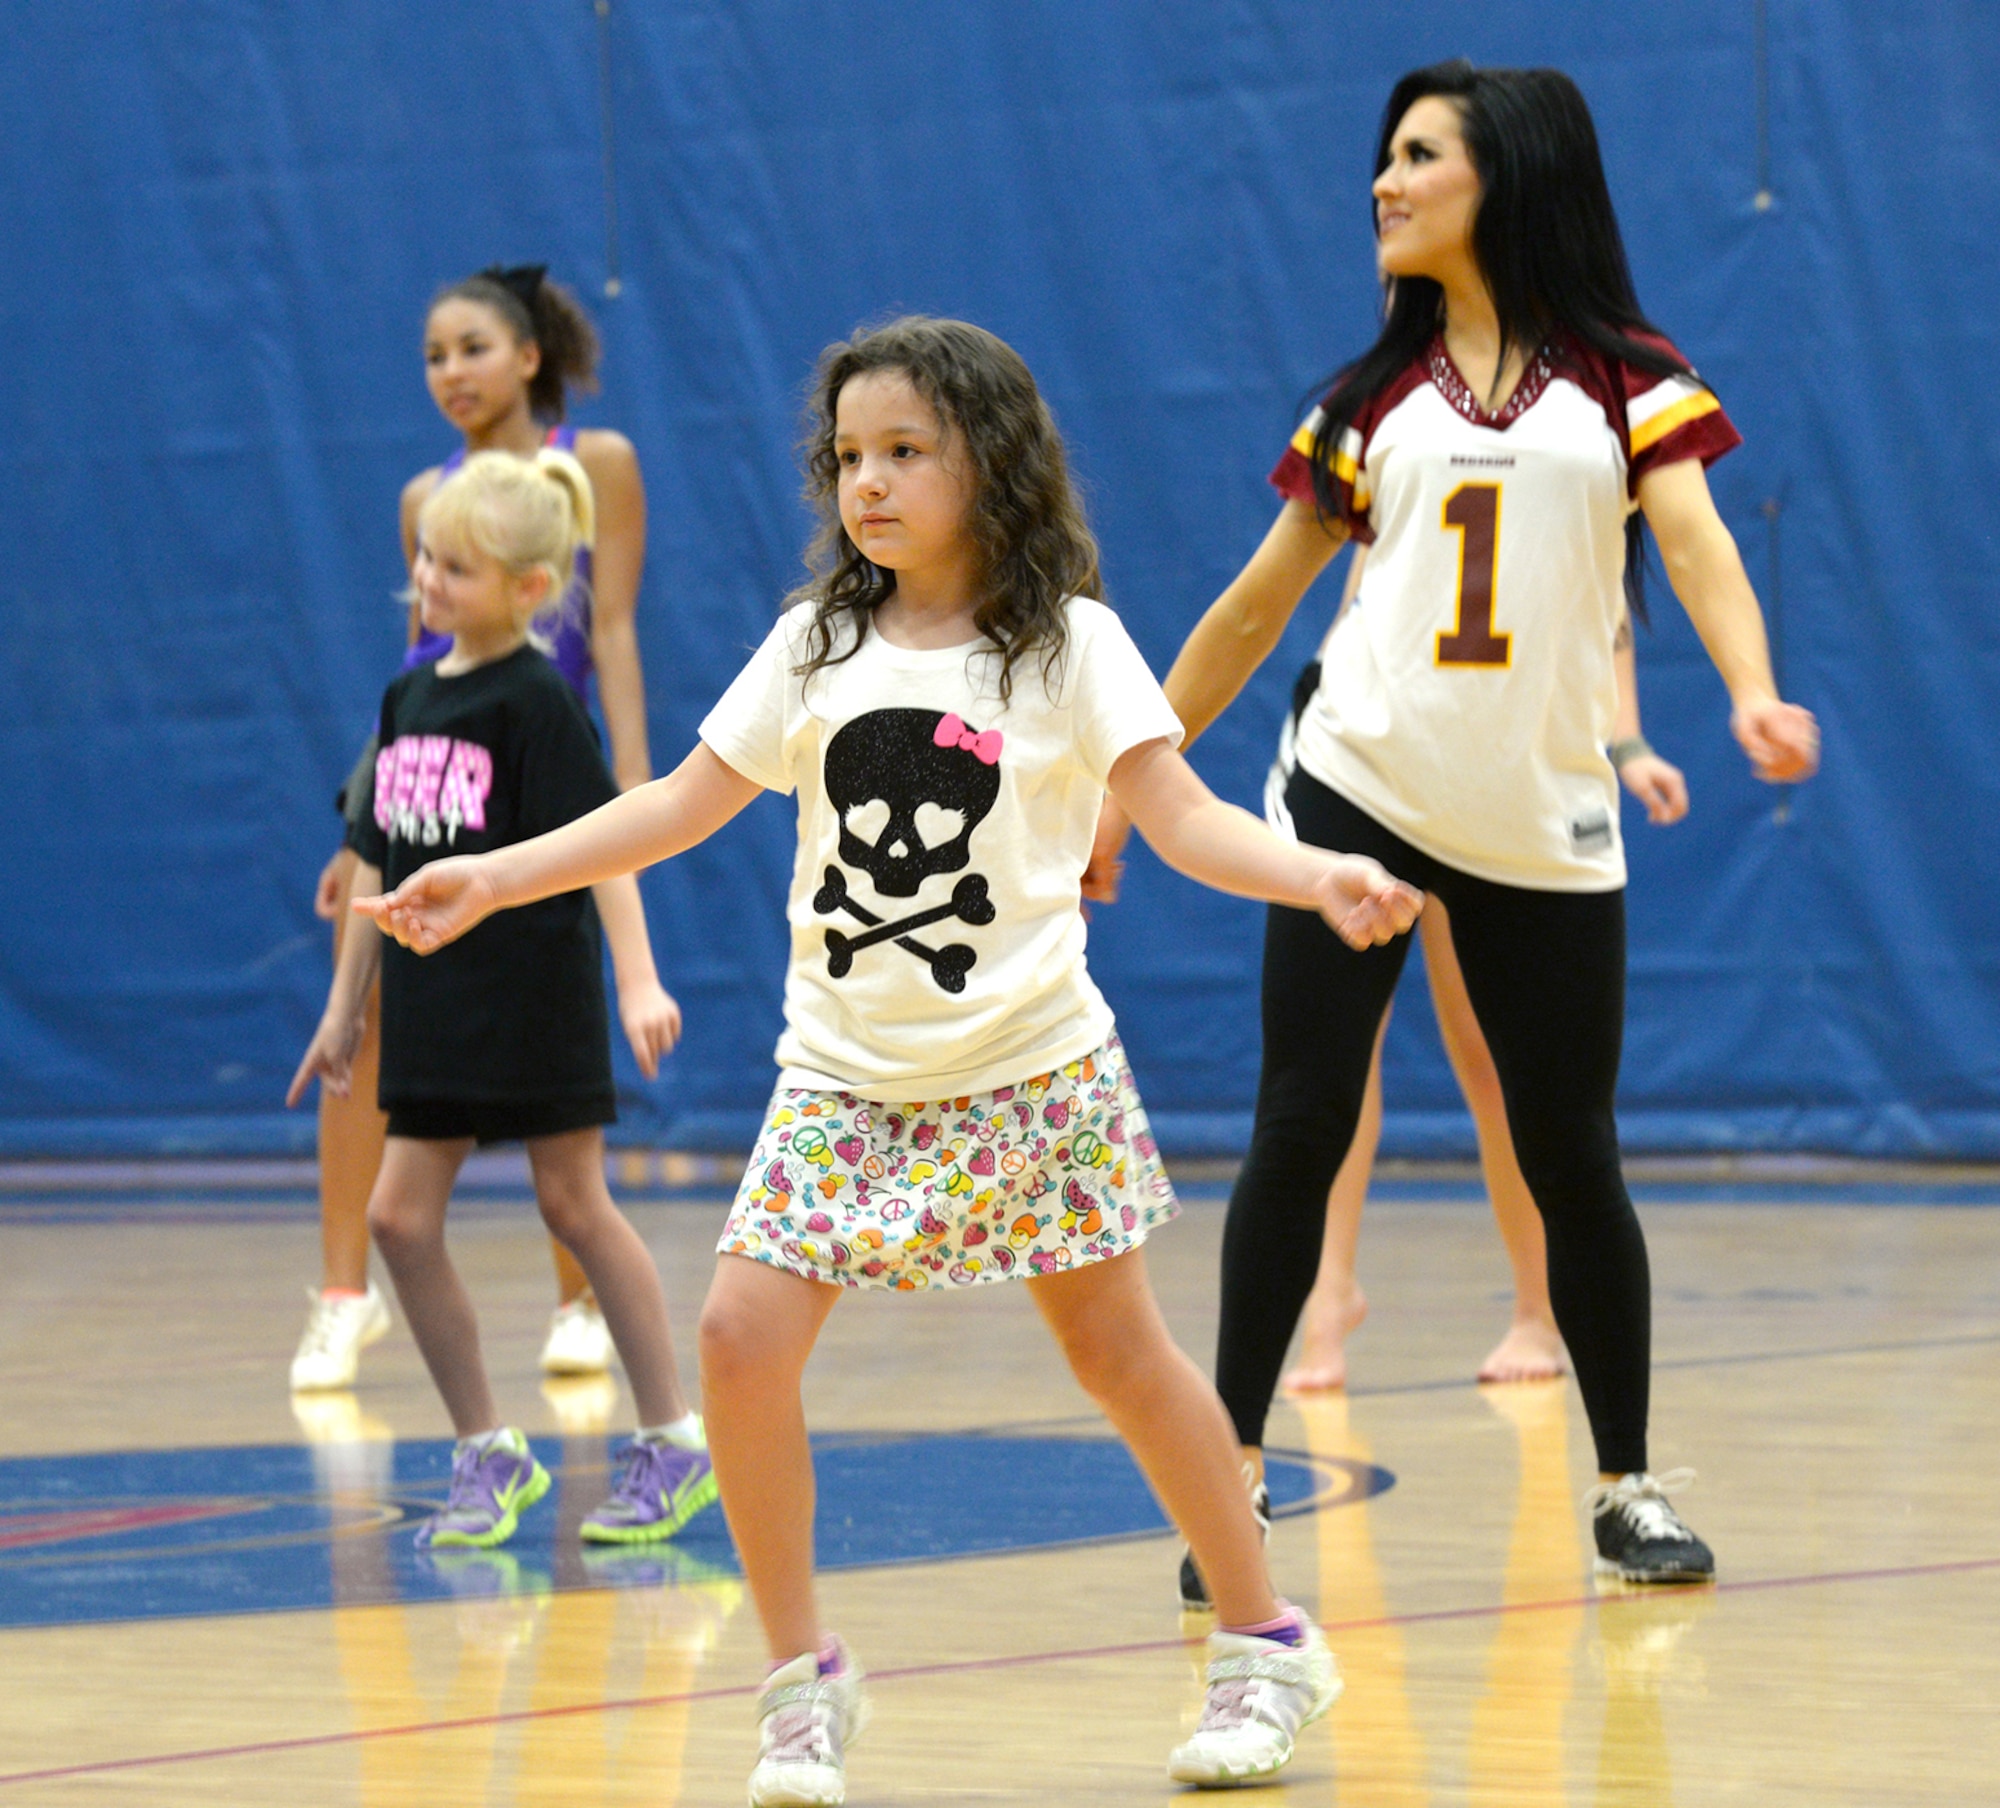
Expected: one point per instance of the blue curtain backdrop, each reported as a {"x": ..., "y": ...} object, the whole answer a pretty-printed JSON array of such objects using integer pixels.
[{"x": 223, "y": 220}]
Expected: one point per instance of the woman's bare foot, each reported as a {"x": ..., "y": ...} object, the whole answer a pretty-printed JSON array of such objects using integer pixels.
[
  {"x": 1532, "y": 1350},
  {"x": 1331, "y": 1318}
]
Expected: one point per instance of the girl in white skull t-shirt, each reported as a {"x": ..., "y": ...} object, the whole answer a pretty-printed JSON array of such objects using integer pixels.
[{"x": 954, "y": 1106}]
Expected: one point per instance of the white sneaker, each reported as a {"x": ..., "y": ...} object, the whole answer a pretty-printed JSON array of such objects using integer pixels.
[
  {"x": 1260, "y": 1693},
  {"x": 336, "y": 1333},
  {"x": 806, "y": 1722},
  {"x": 579, "y": 1340}
]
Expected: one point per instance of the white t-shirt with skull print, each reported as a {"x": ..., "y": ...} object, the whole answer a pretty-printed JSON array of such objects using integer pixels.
[{"x": 937, "y": 940}]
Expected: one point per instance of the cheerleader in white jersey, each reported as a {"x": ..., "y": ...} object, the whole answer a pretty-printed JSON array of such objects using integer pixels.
[{"x": 1490, "y": 450}]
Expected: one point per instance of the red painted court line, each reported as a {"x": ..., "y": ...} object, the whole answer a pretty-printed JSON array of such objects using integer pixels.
[
  {"x": 18, "y": 1530},
  {"x": 269, "y": 1747}
]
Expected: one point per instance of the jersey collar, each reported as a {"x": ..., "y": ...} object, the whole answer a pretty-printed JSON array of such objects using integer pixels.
[{"x": 1455, "y": 390}]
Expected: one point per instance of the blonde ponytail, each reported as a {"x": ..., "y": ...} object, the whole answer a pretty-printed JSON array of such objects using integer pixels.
[
  {"x": 529, "y": 514},
  {"x": 564, "y": 469}
]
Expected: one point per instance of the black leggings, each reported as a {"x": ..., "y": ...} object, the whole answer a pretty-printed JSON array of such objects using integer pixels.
[{"x": 1546, "y": 974}]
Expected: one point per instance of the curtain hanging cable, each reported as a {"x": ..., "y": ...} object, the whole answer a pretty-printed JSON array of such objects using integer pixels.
[
  {"x": 613, "y": 282},
  {"x": 1761, "y": 56}
]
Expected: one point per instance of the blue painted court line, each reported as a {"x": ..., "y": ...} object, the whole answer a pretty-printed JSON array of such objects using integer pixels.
[
  {"x": 280, "y": 1208},
  {"x": 166, "y": 1206},
  {"x": 1403, "y": 1191},
  {"x": 281, "y": 1205},
  {"x": 170, "y": 1534},
  {"x": 264, "y": 1191},
  {"x": 1774, "y": 1192}
]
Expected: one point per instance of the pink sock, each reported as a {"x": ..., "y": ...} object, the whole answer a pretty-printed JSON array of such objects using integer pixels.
[
  {"x": 1287, "y": 1629},
  {"x": 830, "y": 1658},
  {"x": 343, "y": 1293}
]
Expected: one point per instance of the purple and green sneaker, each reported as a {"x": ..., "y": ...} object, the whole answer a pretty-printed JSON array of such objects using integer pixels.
[
  {"x": 661, "y": 1489},
  {"x": 493, "y": 1482}
]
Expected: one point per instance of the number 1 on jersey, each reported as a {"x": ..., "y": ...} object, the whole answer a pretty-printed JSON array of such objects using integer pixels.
[{"x": 1472, "y": 511}]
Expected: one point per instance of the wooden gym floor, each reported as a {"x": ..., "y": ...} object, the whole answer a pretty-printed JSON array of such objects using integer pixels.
[{"x": 207, "y": 1599}]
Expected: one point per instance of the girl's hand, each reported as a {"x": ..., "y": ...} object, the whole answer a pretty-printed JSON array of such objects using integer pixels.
[
  {"x": 1781, "y": 739},
  {"x": 329, "y": 1056},
  {"x": 332, "y": 882},
  {"x": 1106, "y": 868},
  {"x": 436, "y": 904},
  {"x": 1362, "y": 904},
  {"x": 1658, "y": 784},
  {"x": 652, "y": 1023}
]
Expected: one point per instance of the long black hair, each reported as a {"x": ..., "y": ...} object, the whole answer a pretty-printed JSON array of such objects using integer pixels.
[
  {"x": 1545, "y": 237},
  {"x": 1036, "y": 549},
  {"x": 537, "y": 309}
]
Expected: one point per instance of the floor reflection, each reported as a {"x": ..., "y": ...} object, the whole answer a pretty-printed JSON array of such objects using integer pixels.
[
  {"x": 1517, "y": 1753},
  {"x": 1641, "y": 1648},
  {"x": 630, "y": 1623},
  {"x": 1379, "y": 1750},
  {"x": 1514, "y": 1758},
  {"x": 508, "y": 1685}
]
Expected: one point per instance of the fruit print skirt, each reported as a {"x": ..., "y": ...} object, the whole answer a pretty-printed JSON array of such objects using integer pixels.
[{"x": 1035, "y": 1178}]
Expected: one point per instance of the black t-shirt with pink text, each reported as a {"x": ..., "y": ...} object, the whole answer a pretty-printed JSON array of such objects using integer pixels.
[{"x": 514, "y": 1011}]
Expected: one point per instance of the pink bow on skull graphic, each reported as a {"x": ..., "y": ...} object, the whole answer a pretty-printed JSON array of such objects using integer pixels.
[{"x": 985, "y": 748}]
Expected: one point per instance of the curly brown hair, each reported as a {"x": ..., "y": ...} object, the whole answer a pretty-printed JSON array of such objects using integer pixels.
[
  {"x": 1036, "y": 549},
  {"x": 533, "y": 306}
]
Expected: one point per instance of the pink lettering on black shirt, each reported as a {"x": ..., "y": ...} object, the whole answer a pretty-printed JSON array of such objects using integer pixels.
[{"x": 428, "y": 787}]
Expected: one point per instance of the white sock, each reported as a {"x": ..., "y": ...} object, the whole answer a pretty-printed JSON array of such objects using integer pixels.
[
  {"x": 504, "y": 1435},
  {"x": 685, "y": 1433}
]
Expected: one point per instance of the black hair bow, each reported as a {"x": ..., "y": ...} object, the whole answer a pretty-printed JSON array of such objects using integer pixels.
[{"x": 524, "y": 281}]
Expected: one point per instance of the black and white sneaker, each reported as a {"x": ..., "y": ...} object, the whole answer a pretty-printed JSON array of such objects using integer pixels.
[
  {"x": 1194, "y": 1591},
  {"x": 1640, "y": 1538}
]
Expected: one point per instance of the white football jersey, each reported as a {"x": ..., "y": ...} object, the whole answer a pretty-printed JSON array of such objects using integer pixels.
[{"x": 1466, "y": 699}]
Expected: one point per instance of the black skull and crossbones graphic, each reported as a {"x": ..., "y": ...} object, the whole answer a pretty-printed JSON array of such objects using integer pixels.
[{"x": 909, "y": 787}]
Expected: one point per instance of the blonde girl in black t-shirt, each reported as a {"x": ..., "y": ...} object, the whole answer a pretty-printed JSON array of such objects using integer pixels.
[{"x": 508, "y": 1040}]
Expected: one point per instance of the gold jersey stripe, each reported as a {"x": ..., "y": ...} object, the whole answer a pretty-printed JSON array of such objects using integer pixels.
[
  {"x": 1344, "y": 466},
  {"x": 1654, "y": 429}
]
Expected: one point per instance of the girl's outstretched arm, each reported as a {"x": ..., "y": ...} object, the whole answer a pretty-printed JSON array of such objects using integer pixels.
[
  {"x": 1707, "y": 574},
  {"x": 1196, "y": 833},
  {"x": 646, "y": 1008},
  {"x": 438, "y": 903}
]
